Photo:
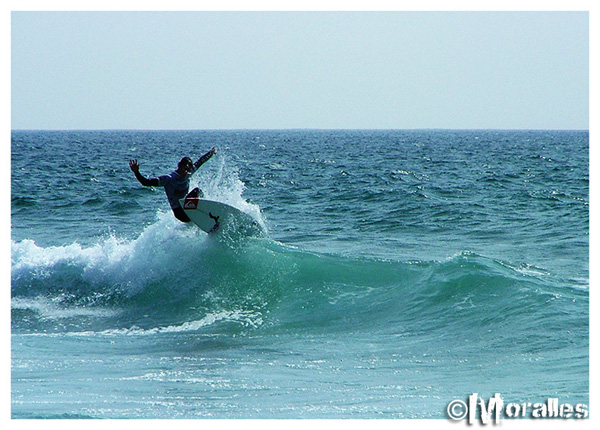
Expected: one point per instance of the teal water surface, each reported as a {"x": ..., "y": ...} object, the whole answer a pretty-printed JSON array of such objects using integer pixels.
[{"x": 400, "y": 270}]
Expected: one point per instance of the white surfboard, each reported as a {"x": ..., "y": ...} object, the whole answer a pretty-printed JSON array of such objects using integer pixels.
[{"x": 213, "y": 217}]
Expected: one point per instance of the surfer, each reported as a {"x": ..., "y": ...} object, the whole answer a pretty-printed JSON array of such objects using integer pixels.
[{"x": 176, "y": 183}]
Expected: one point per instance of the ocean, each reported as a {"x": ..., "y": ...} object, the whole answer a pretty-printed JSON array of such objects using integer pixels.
[{"x": 400, "y": 270}]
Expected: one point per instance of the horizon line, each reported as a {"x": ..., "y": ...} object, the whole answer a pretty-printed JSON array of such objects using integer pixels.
[{"x": 303, "y": 129}]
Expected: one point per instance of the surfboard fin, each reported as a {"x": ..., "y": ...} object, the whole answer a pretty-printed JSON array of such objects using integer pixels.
[{"x": 216, "y": 226}]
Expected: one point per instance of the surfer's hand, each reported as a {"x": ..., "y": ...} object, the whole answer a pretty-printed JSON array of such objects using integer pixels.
[
  {"x": 213, "y": 149},
  {"x": 134, "y": 166}
]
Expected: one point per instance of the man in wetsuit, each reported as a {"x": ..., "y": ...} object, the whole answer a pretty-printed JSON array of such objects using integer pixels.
[{"x": 176, "y": 183}]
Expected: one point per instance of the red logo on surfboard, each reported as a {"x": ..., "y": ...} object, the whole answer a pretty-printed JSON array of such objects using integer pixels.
[{"x": 190, "y": 203}]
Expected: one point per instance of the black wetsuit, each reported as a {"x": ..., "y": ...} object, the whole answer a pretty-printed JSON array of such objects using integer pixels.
[{"x": 176, "y": 186}]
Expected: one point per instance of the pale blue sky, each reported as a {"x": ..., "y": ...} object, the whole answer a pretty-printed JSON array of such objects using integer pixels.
[{"x": 231, "y": 70}]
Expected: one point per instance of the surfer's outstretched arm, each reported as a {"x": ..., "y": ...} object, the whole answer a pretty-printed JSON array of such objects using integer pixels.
[
  {"x": 205, "y": 157},
  {"x": 146, "y": 182}
]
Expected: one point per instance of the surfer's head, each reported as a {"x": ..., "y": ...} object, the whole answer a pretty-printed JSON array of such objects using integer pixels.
[{"x": 185, "y": 165}]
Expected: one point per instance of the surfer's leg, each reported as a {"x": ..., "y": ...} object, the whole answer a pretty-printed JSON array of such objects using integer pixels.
[
  {"x": 180, "y": 215},
  {"x": 196, "y": 192}
]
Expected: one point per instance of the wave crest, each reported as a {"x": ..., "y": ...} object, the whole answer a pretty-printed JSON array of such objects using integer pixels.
[{"x": 173, "y": 277}]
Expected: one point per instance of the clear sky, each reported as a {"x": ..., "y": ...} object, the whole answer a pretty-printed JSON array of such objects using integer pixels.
[{"x": 232, "y": 70}]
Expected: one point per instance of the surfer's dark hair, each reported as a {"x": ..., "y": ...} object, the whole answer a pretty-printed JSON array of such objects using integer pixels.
[{"x": 185, "y": 160}]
